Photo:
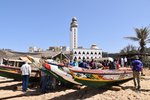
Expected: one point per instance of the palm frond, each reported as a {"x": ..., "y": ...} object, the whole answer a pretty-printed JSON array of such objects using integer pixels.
[
  {"x": 132, "y": 38},
  {"x": 138, "y": 33},
  {"x": 147, "y": 41}
]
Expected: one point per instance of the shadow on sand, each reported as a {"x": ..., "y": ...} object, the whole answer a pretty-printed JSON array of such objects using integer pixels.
[
  {"x": 6, "y": 81},
  {"x": 33, "y": 91},
  {"x": 10, "y": 87},
  {"x": 85, "y": 92},
  {"x": 30, "y": 93},
  {"x": 134, "y": 89}
]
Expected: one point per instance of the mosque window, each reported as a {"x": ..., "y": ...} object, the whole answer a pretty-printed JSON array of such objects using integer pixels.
[
  {"x": 79, "y": 52},
  {"x": 83, "y": 57},
  {"x": 75, "y": 57},
  {"x": 91, "y": 52},
  {"x": 83, "y": 52},
  {"x": 96, "y": 53},
  {"x": 87, "y": 52},
  {"x": 75, "y": 52}
]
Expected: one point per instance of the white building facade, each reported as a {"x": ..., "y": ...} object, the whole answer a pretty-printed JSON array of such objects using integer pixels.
[
  {"x": 35, "y": 49},
  {"x": 73, "y": 34},
  {"x": 88, "y": 54}
]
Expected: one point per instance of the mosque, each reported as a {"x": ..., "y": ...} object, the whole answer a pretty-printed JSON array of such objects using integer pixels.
[{"x": 81, "y": 53}]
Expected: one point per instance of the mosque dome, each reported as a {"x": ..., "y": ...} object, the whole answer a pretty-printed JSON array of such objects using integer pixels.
[{"x": 94, "y": 46}]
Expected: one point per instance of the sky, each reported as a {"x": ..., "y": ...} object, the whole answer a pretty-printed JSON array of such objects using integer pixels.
[{"x": 44, "y": 23}]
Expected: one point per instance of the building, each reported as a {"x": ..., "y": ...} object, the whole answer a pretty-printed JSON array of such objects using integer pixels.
[
  {"x": 73, "y": 34},
  {"x": 79, "y": 52},
  {"x": 58, "y": 48},
  {"x": 82, "y": 53},
  {"x": 35, "y": 49}
]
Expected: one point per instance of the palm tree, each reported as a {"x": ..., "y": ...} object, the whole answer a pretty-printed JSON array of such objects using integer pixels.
[{"x": 142, "y": 36}]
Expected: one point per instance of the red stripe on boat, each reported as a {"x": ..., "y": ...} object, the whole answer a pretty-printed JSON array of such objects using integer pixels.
[{"x": 47, "y": 66}]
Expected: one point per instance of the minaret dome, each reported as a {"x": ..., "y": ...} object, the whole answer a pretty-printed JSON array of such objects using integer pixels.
[{"x": 74, "y": 22}]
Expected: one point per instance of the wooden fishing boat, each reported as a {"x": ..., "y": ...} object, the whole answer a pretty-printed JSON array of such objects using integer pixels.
[
  {"x": 62, "y": 75},
  {"x": 57, "y": 71},
  {"x": 101, "y": 77},
  {"x": 14, "y": 72},
  {"x": 104, "y": 72}
]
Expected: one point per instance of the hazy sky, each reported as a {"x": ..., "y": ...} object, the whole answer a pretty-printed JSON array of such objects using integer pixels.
[{"x": 44, "y": 23}]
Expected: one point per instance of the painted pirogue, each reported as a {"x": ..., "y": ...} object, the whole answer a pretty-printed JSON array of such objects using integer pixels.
[
  {"x": 100, "y": 78},
  {"x": 15, "y": 73},
  {"x": 61, "y": 74},
  {"x": 57, "y": 71}
]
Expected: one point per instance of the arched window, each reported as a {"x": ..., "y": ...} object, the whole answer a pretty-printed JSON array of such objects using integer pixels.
[
  {"x": 99, "y": 53},
  {"x": 87, "y": 53},
  {"x": 75, "y": 57},
  {"x": 79, "y": 52},
  {"x": 91, "y": 57},
  {"x": 83, "y": 57},
  {"x": 91, "y": 53},
  {"x": 79, "y": 57},
  {"x": 95, "y": 57},
  {"x": 83, "y": 52},
  {"x": 87, "y": 57},
  {"x": 75, "y": 52},
  {"x": 96, "y": 53}
]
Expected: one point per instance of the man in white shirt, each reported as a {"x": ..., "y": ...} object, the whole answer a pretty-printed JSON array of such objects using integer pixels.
[
  {"x": 122, "y": 62},
  {"x": 26, "y": 72},
  {"x": 125, "y": 61}
]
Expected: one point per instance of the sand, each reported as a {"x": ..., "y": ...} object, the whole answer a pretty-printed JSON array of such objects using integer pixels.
[{"x": 125, "y": 91}]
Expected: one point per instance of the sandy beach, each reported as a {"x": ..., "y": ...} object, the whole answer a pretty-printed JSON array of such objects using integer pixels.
[{"x": 125, "y": 91}]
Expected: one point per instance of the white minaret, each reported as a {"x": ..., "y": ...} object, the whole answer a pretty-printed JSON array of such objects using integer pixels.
[{"x": 73, "y": 34}]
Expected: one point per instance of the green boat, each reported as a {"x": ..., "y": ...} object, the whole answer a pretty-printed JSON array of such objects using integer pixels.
[
  {"x": 100, "y": 80},
  {"x": 56, "y": 71},
  {"x": 60, "y": 74}
]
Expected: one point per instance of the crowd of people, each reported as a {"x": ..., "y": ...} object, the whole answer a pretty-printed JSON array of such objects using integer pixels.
[{"x": 105, "y": 64}]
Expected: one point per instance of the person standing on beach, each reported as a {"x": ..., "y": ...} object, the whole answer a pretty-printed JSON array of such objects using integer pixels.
[
  {"x": 125, "y": 61},
  {"x": 44, "y": 76},
  {"x": 75, "y": 63},
  {"x": 137, "y": 68},
  {"x": 26, "y": 72},
  {"x": 122, "y": 62}
]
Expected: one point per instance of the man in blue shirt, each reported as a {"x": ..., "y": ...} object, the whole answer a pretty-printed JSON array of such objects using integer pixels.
[{"x": 137, "y": 68}]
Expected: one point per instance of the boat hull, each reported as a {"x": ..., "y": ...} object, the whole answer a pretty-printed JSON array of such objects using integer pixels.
[
  {"x": 61, "y": 75},
  {"x": 99, "y": 84},
  {"x": 15, "y": 73},
  {"x": 101, "y": 79}
]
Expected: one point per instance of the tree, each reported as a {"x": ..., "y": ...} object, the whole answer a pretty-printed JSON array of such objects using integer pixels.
[
  {"x": 142, "y": 36},
  {"x": 128, "y": 49}
]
